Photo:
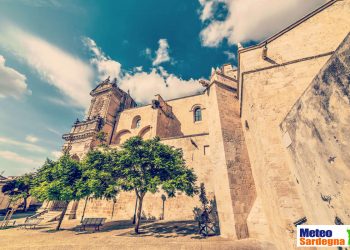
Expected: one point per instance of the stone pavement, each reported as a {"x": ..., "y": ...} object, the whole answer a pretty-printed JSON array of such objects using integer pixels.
[{"x": 119, "y": 235}]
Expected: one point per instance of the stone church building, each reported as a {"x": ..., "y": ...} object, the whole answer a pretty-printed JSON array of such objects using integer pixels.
[{"x": 269, "y": 139}]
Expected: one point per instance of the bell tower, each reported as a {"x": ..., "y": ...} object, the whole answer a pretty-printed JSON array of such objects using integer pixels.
[{"x": 107, "y": 101}]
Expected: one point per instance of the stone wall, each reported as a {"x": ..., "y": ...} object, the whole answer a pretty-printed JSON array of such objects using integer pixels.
[
  {"x": 269, "y": 87},
  {"x": 183, "y": 110},
  {"x": 178, "y": 208},
  {"x": 234, "y": 185},
  {"x": 167, "y": 123},
  {"x": 181, "y": 122},
  {"x": 123, "y": 129},
  {"x": 317, "y": 134}
]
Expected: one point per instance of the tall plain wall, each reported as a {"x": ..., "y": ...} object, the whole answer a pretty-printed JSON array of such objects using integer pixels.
[
  {"x": 319, "y": 130},
  {"x": 234, "y": 184},
  {"x": 268, "y": 90}
]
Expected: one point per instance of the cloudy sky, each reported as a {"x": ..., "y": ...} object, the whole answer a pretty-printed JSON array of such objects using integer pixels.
[{"x": 53, "y": 52}]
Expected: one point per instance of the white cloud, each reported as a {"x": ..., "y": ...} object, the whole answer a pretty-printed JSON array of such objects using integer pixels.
[
  {"x": 54, "y": 131},
  {"x": 144, "y": 86},
  {"x": 251, "y": 19},
  {"x": 12, "y": 83},
  {"x": 27, "y": 146},
  {"x": 104, "y": 64},
  {"x": 59, "y": 101},
  {"x": 31, "y": 138},
  {"x": 162, "y": 53},
  {"x": 67, "y": 73},
  {"x": 12, "y": 156},
  {"x": 163, "y": 72},
  {"x": 230, "y": 55},
  {"x": 148, "y": 51},
  {"x": 138, "y": 69},
  {"x": 207, "y": 10},
  {"x": 56, "y": 154}
]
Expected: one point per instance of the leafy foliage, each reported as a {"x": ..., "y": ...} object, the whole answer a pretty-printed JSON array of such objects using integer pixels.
[
  {"x": 19, "y": 188},
  {"x": 147, "y": 165},
  {"x": 102, "y": 138},
  {"x": 98, "y": 178},
  {"x": 56, "y": 180}
]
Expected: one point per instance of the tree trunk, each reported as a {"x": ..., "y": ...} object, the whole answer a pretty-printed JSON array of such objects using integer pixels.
[
  {"x": 134, "y": 220},
  {"x": 82, "y": 217},
  {"x": 62, "y": 216},
  {"x": 114, "y": 202},
  {"x": 25, "y": 204},
  {"x": 139, "y": 211}
]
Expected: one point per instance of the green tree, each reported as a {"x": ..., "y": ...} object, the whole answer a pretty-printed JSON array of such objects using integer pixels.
[
  {"x": 146, "y": 165},
  {"x": 102, "y": 138},
  {"x": 57, "y": 181},
  {"x": 98, "y": 180},
  {"x": 19, "y": 188}
]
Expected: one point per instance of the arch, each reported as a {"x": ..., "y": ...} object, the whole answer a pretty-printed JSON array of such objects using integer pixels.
[
  {"x": 122, "y": 136},
  {"x": 196, "y": 106},
  {"x": 136, "y": 122},
  {"x": 197, "y": 114},
  {"x": 145, "y": 132}
]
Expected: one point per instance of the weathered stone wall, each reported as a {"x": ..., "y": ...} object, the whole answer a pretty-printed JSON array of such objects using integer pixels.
[
  {"x": 234, "y": 184},
  {"x": 181, "y": 123},
  {"x": 183, "y": 110},
  {"x": 317, "y": 132},
  {"x": 167, "y": 123},
  {"x": 124, "y": 130},
  {"x": 268, "y": 90}
]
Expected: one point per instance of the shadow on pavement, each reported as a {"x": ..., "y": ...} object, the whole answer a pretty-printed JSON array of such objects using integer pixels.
[{"x": 170, "y": 229}]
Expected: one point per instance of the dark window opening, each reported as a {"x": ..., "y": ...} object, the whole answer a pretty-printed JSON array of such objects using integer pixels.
[{"x": 197, "y": 114}]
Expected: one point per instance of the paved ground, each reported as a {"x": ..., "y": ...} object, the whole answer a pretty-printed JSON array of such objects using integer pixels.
[{"x": 119, "y": 235}]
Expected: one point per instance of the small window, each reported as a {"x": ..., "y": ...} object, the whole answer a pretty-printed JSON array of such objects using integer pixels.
[
  {"x": 206, "y": 150},
  {"x": 138, "y": 123},
  {"x": 197, "y": 114}
]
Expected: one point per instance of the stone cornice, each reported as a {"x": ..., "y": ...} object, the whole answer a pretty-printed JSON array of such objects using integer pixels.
[{"x": 78, "y": 136}]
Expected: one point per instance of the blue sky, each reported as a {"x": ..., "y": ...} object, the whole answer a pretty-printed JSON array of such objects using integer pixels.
[{"x": 53, "y": 52}]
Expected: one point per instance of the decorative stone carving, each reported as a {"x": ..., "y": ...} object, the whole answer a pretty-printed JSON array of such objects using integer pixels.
[{"x": 99, "y": 105}]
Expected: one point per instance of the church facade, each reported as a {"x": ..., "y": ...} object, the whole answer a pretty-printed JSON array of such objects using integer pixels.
[
  {"x": 205, "y": 125},
  {"x": 269, "y": 139}
]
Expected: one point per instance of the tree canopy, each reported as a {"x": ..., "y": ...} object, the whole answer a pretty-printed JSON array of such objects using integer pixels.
[
  {"x": 19, "y": 188},
  {"x": 147, "y": 165},
  {"x": 140, "y": 165},
  {"x": 98, "y": 179},
  {"x": 57, "y": 181}
]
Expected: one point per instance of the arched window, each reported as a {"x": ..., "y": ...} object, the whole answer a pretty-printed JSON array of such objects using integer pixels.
[
  {"x": 197, "y": 113},
  {"x": 136, "y": 122}
]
